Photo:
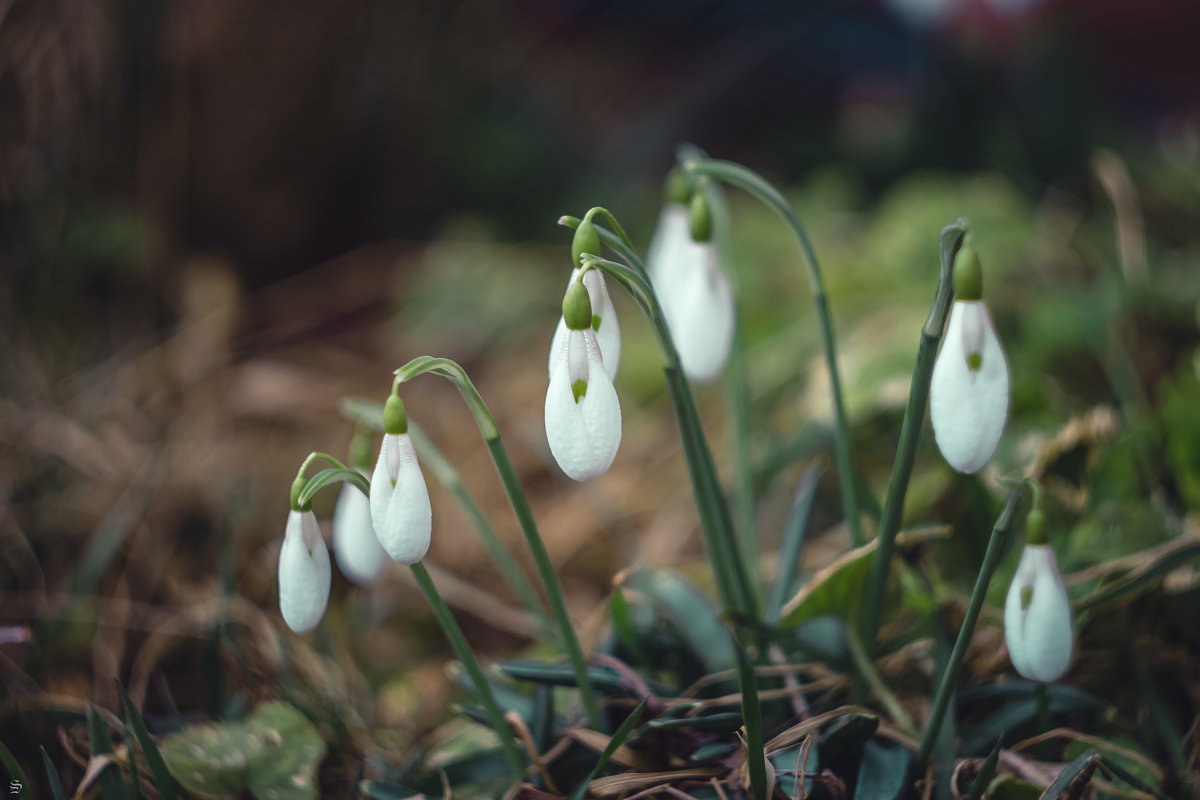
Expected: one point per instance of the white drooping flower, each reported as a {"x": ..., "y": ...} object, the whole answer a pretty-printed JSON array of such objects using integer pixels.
[
  {"x": 1037, "y": 617},
  {"x": 702, "y": 314},
  {"x": 969, "y": 389},
  {"x": 304, "y": 572},
  {"x": 355, "y": 545},
  {"x": 583, "y": 415},
  {"x": 670, "y": 246},
  {"x": 400, "y": 510},
  {"x": 604, "y": 323}
]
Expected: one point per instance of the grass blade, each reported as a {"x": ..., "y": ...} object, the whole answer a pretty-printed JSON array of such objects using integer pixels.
[
  {"x": 158, "y": 767},
  {"x": 986, "y": 771},
  {"x": 112, "y": 787},
  {"x": 756, "y": 757},
  {"x": 14, "y": 769},
  {"x": 56, "y": 788},
  {"x": 618, "y": 738},
  {"x": 1080, "y": 769},
  {"x": 792, "y": 542}
]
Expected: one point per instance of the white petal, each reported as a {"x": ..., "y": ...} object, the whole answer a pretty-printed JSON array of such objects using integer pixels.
[
  {"x": 400, "y": 510},
  {"x": 609, "y": 335},
  {"x": 304, "y": 572},
  {"x": 584, "y": 435},
  {"x": 1039, "y": 637},
  {"x": 704, "y": 315},
  {"x": 358, "y": 552},
  {"x": 670, "y": 250},
  {"x": 968, "y": 408}
]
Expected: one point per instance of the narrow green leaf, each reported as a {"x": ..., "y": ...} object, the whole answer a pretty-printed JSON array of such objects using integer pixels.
[
  {"x": 616, "y": 740},
  {"x": 883, "y": 772},
  {"x": 1079, "y": 769},
  {"x": 56, "y": 788},
  {"x": 541, "y": 727},
  {"x": 18, "y": 775},
  {"x": 756, "y": 758},
  {"x": 986, "y": 771},
  {"x": 791, "y": 542},
  {"x": 158, "y": 767},
  {"x": 112, "y": 787},
  {"x": 721, "y": 722}
]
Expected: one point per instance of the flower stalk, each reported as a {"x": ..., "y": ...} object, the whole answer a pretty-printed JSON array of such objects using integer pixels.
[
  {"x": 757, "y": 186},
  {"x": 454, "y": 373},
  {"x": 910, "y": 431}
]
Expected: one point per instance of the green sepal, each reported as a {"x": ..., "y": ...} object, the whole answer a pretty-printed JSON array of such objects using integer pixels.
[
  {"x": 968, "y": 275},
  {"x": 297, "y": 487},
  {"x": 1035, "y": 527},
  {"x": 577, "y": 307},
  {"x": 700, "y": 216},
  {"x": 395, "y": 418},
  {"x": 678, "y": 187},
  {"x": 586, "y": 240}
]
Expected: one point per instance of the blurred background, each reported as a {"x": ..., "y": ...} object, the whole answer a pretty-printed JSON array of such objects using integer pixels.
[{"x": 218, "y": 218}]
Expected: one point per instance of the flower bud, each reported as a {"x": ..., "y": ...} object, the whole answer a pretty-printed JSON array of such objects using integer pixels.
[
  {"x": 583, "y": 415},
  {"x": 400, "y": 510},
  {"x": 304, "y": 572},
  {"x": 355, "y": 545},
  {"x": 1037, "y": 617}
]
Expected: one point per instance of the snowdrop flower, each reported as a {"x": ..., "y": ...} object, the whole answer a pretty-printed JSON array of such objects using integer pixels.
[
  {"x": 304, "y": 572},
  {"x": 698, "y": 301},
  {"x": 1037, "y": 611},
  {"x": 671, "y": 245},
  {"x": 400, "y": 510},
  {"x": 968, "y": 393},
  {"x": 358, "y": 552},
  {"x": 583, "y": 416},
  {"x": 604, "y": 321}
]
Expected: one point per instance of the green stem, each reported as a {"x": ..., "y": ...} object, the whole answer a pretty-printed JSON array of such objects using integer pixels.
[
  {"x": 910, "y": 431},
  {"x": 991, "y": 558},
  {"x": 756, "y": 185},
  {"x": 459, "y": 642},
  {"x": 508, "y": 477},
  {"x": 734, "y": 581},
  {"x": 369, "y": 414},
  {"x": 866, "y": 670},
  {"x": 1042, "y": 699}
]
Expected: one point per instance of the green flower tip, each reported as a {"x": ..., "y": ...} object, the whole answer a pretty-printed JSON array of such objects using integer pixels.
[
  {"x": 297, "y": 487},
  {"x": 1035, "y": 527},
  {"x": 678, "y": 187},
  {"x": 701, "y": 217},
  {"x": 579, "y": 389},
  {"x": 395, "y": 418},
  {"x": 577, "y": 307},
  {"x": 586, "y": 241},
  {"x": 968, "y": 277}
]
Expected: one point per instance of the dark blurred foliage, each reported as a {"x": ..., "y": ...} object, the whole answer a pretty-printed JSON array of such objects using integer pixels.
[{"x": 283, "y": 136}]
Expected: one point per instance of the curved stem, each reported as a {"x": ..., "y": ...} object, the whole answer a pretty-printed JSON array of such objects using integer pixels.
[
  {"x": 616, "y": 226},
  {"x": 734, "y": 582},
  {"x": 991, "y": 558},
  {"x": 910, "y": 431},
  {"x": 369, "y": 414},
  {"x": 487, "y": 426},
  {"x": 463, "y": 650},
  {"x": 756, "y": 185}
]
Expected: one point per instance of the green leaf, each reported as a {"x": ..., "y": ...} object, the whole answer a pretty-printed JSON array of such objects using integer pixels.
[
  {"x": 883, "y": 771},
  {"x": 836, "y": 590},
  {"x": 112, "y": 787},
  {"x": 618, "y": 738},
  {"x": 986, "y": 771},
  {"x": 689, "y": 613},
  {"x": 56, "y": 788},
  {"x": 274, "y": 753},
  {"x": 14, "y": 770},
  {"x": 332, "y": 475},
  {"x": 158, "y": 768},
  {"x": 1074, "y": 776},
  {"x": 752, "y": 714},
  {"x": 792, "y": 541}
]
